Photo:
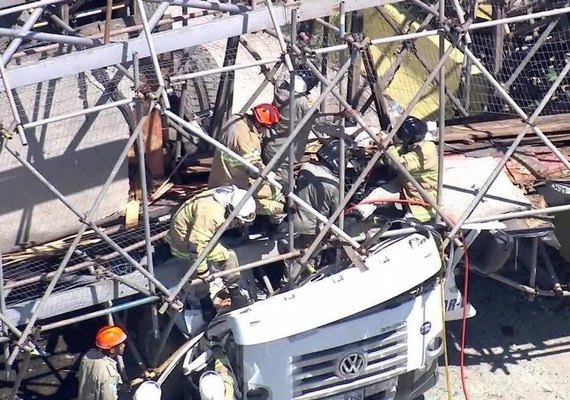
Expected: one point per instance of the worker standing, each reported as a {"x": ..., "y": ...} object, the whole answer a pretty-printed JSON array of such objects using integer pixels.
[
  {"x": 193, "y": 226},
  {"x": 98, "y": 376},
  {"x": 304, "y": 82},
  {"x": 242, "y": 134},
  {"x": 274, "y": 139}
]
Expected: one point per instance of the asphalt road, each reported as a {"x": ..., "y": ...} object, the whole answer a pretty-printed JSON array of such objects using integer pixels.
[{"x": 516, "y": 349}]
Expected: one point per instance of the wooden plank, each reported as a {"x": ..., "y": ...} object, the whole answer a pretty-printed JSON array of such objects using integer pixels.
[
  {"x": 132, "y": 214},
  {"x": 153, "y": 136},
  {"x": 505, "y": 128}
]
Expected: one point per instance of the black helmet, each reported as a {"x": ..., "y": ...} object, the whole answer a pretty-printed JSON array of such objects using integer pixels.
[
  {"x": 329, "y": 155},
  {"x": 412, "y": 131}
]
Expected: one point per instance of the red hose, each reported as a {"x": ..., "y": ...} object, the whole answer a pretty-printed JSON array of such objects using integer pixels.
[{"x": 393, "y": 201}]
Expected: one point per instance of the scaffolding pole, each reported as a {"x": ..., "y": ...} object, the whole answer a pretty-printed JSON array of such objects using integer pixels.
[
  {"x": 148, "y": 35},
  {"x": 262, "y": 177},
  {"x": 100, "y": 313},
  {"x": 441, "y": 141},
  {"x": 3, "y": 311},
  {"x": 26, "y": 28},
  {"x": 284, "y": 52},
  {"x": 12, "y": 105},
  {"x": 529, "y": 124},
  {"x": 87, "y": 111},
  {"x": 530, "y": 54},
  {"x": 291, "y": 157},
  {"x": 208, "y": 5},
  {"x": 144, "y": 195}
]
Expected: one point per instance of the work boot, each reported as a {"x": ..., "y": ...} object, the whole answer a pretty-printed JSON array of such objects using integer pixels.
[
  {"x": 208, "y": 309},
  {"x": 239, "y": 300}
]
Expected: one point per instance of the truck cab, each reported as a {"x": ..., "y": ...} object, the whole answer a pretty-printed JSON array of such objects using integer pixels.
[{"x": 368, "y": 332}]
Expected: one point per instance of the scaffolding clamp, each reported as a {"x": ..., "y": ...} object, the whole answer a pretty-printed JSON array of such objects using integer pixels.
[
  {"x": 176, "y": 305},
  {"x": 5, "y": 134}
]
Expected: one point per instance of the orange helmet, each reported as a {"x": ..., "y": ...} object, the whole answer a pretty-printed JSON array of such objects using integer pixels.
[
  {"x": 266, "y": 114},
  {"x": 110, "y": 336}
]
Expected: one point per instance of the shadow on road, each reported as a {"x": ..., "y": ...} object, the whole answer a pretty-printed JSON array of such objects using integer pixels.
[{"x": 508, "y": 328}]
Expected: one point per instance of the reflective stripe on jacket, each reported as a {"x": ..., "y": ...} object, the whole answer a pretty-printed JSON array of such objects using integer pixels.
[
  {"x": 421, "y": 161},
  {"x": 239, "y": 135},
  {"x": 98, "y": 377},
  {"x": 193, "y": 226}
]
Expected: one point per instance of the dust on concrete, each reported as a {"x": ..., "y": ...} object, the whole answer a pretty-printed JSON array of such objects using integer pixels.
[{"x": 516, "y": 349}]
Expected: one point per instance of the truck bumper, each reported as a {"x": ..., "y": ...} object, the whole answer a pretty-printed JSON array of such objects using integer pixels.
[{"x": 415, "y": 383}]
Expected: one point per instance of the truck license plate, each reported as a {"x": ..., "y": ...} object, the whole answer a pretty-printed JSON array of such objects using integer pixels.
[
  {"x": 359, "y": 395},
  {"x": 355, "y": 395}
]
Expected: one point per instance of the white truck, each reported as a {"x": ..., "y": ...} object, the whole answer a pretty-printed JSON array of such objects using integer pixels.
[{"x": 368, "y": 332}]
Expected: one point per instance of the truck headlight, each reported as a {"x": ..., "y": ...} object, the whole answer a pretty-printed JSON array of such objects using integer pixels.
[{"x": 435, "y": 346}]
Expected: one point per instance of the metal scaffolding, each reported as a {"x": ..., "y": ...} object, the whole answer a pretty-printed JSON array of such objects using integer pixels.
[{"x": 157, "y": 36}]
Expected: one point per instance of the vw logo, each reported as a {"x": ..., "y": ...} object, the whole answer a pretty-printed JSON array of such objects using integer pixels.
[{"x": 352, "y": 365}]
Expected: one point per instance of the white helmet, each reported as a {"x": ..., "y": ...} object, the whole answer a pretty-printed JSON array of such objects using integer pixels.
[
  {"x": 230, "y": 197},
  {"x": 148, "y": 390},
  {"x": 300, "y": 85},
  {"x": 212, "y": 386}
]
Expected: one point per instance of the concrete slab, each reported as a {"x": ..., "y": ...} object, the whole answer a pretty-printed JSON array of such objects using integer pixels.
[{"x": 75, "y": 155}]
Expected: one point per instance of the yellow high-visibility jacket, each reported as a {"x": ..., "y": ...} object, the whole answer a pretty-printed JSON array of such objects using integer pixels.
[
  {"x": 194, "y": 225},
  {"x": 421, "y": 161},
  {"x": 240, "y": 135}
]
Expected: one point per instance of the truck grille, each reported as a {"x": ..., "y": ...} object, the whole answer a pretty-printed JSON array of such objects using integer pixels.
[{"x": 316, "y": 375}]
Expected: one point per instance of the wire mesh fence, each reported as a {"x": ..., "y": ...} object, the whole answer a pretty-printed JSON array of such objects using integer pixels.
[
  {"x": 27, "y": 279},
  {"x": 524, "y": 57}
]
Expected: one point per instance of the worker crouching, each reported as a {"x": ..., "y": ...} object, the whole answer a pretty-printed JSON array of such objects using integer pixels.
[
  {"x": 193, "y": 226},
  {"x": 98, "y": 376},
  {"x": 317, "y": 184},
  {"x": 419, "y": 157}
]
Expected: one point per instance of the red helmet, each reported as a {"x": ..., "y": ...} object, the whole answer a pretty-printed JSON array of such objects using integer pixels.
[
  {"x": 110, "y": 336},
  {"x": 266, "y": 114}
]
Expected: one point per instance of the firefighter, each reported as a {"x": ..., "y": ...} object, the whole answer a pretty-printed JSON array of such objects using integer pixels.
[
  {"x": 219, "y": 382},
  {"x": 242, "y": 134},
  {"x": 318, "y": 184},
  {"x": 98, "y": 376},
  {"x": 193, "y": 226},
  {"x": 420, "y": 158},
  {"x": 274, "y": 139}
]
